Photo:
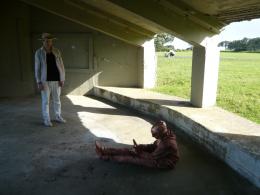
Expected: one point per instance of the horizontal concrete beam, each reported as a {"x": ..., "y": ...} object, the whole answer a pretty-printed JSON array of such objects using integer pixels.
[
  {"x": 120, "y": 12},
  {"x": 166, "y": 17},
  {"x": 114, "y": 11},
  {"x": 207, "y": 21},
  {"x": 91, "y": 18}
]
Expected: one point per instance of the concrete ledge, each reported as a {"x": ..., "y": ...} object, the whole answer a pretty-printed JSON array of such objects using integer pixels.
[{"x": 231, "y": 138}]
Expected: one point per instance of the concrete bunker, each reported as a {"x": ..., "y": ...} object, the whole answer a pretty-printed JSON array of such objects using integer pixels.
[{"x": 110, "y": 43}]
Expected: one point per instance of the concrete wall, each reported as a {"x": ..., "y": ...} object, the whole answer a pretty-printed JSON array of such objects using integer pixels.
[
  {"x": 16, "y": 72},
  {"x": 113, "y": 62},
  {"x": 117, "y": 62}
]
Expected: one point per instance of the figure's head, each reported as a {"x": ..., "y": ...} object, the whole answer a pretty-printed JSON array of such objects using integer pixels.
[
  {"x": 159, "y": 129},
  {"x": 47, "y": 40}
]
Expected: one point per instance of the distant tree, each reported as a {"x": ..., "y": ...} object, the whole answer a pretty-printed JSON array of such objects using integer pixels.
[
  {"x": 253, "y": 44},
  {"x": 238, "y": 45},
  {"x": 161, "y": 39},
  {"x": 224, "y": 44},
  {"x": 242, "y": 45}
]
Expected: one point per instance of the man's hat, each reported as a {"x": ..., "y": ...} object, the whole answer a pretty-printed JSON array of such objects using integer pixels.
[{"x": 47, "y": 36}]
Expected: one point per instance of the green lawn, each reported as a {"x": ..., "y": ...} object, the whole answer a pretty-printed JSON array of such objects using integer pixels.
[{"x": 238, "y": 87}]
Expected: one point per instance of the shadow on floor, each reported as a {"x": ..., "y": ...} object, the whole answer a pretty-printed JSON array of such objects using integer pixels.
[{"x": 62, "y": 160}]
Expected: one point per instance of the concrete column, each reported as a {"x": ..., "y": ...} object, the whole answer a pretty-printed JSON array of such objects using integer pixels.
[
  {"x": 205, "y": 63},
  {"x": 149, "y": 64}
]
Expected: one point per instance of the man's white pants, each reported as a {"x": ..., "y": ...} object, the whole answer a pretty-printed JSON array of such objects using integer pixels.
[{"x": 51, "y": 88}]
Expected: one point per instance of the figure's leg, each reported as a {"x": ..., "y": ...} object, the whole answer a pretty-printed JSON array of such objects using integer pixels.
[
  {"x": 103, "y": 151},
  {"x": 56, "y": 98},
  {"x": 45, "y": 95},
  {"x": 135, "y": 160},
  {"x": 99, "y": 148},
  {"x": 56, "y": 91}
]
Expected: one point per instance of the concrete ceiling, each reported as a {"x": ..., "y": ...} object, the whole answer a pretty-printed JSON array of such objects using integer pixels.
[
  {"x": 226, "y": 11},
  {"x": 137, "y": 20},
  {"x": 206, "y": 17}
]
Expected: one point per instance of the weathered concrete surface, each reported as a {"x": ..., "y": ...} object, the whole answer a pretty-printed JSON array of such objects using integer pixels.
[
  {"x": 204, "y": 79},
  {"x": 61, "y": 160},
  {"x": 90, "y": 56},
  {"x": 231, "y": 138}
]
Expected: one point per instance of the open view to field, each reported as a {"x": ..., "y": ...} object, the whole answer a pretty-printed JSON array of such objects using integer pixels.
[{"x": 238, "y": 86}]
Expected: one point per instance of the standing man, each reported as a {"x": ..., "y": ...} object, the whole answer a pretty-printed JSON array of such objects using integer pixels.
[{"x": 50, "y": 77}]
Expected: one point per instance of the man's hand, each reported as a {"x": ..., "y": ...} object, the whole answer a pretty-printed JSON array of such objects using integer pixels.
[
  {"x": 40, "y": 86},
  {"x": 61, "y": 83}
]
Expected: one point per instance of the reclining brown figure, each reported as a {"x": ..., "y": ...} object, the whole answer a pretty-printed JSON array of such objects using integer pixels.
[{"x": 163, "y": 153}]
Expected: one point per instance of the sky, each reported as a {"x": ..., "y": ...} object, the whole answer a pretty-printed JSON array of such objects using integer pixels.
[
  {"x": 233, "y": 31},
  {"x": 240, "y": 30}
]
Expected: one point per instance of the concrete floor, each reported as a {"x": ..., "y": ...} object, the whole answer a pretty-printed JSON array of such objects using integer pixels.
[{"x": 61, "y": 160}]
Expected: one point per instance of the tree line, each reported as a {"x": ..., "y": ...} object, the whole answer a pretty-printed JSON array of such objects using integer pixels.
[
  {"x": 245, "y": 44},
  {"x": 161, "y": 39}
]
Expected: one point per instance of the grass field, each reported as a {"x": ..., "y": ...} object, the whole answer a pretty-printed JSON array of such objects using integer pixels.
[{"x": 238, "y": 87}]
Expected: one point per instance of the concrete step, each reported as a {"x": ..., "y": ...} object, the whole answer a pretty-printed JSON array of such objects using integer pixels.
[{"x": 233, "y": 139}]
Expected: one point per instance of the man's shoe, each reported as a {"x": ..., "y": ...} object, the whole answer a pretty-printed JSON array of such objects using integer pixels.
[
  {"x": 47, "y": 123},
  {"x": 59, "y": 119}
]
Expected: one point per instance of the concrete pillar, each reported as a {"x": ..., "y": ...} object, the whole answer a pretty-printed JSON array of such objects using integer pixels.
[
  {"x": 149, "y": 64},
  {"x": 205, "y": 63}
]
